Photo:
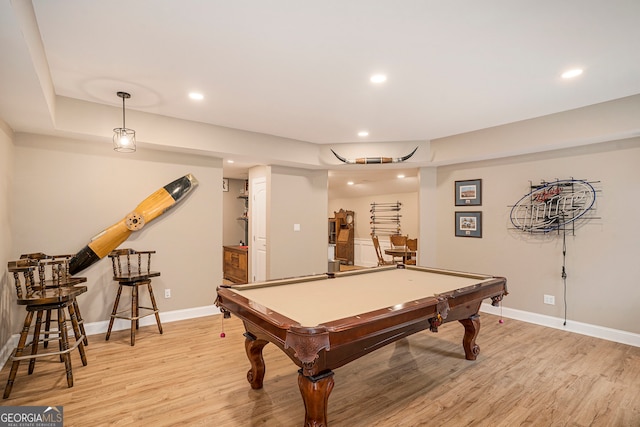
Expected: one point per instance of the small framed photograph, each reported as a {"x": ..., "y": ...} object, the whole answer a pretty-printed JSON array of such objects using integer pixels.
[
  {"x": 469, "y": 193},
  {"x": 225, "y": 184},
  {"x": 468, "y": 224}
]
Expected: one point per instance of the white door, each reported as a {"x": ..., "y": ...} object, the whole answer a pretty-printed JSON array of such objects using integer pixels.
[{"x": 259, "y": 230}]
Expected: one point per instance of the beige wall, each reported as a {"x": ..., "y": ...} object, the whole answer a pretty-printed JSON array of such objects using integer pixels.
[
  {"x": 607, "y": 121},
  {"x": 67, "y": 191},
  {"x": 162, "y": 132},
  {"x": 297, "y": 196},
  {"x": 7, "y": 293},
  {"x": 602, "y": 258},
  {"x": 294, "y": 196}
]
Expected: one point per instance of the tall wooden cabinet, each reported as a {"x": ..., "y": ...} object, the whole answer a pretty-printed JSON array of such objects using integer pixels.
[{"x": 344, "y": 236}]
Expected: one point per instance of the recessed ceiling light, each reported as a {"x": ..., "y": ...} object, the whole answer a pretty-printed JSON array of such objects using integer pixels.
[
  {"x": 378, "y": 78},
  {"x": 401, "y": 176},
  {"x": 196, "y": 96},
  {"x": 229, "y": 161},
  {"x": 350, "y": 183},
  {"x": 363, "y": 133},
  {"x": 572, "y": 73}
]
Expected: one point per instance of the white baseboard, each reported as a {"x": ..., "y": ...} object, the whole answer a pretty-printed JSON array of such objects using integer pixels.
[
  {"x": 7, "y": 348},
  {"x": 165, "y": 317},
  {"x": 595, "y": 331},
  {"x": 96, "y": 328}
]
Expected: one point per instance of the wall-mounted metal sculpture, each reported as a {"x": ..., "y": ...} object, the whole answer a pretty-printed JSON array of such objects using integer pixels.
[
  {"x": 553, "y": 205},
  {"x": 148, "y": 210},
  {"x": 374, "y": 160}
]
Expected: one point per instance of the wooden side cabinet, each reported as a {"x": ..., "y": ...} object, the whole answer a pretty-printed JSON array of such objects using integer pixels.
[{"x": 235, "y": 263}]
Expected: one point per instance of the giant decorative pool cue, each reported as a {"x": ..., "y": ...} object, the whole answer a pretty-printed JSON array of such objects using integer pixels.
[
  {"x": 148, "y": 210},
  {"x": 373, "y": 160}
]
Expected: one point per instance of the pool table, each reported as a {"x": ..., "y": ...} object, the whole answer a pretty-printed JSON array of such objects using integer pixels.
[{"x": 325, "y": 321}]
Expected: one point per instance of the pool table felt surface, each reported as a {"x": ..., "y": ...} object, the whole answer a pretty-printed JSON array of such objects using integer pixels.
[{"x": 321, "y": 300}]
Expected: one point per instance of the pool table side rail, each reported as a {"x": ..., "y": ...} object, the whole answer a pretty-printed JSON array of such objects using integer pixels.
[
  {"x": 271, "y": 283},
  {"x": 246, "y": 309},
  {"x": 478, "y": 276}
]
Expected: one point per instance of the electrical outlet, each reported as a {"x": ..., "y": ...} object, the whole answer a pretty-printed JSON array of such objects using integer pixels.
[
  {"x": 167, "y": 293},
  {"x": 550, "y": 299}
]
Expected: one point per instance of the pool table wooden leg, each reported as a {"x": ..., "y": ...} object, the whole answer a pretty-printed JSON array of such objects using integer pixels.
[
  {"x": 315, "y": 392},
  {"x": 253, "y": 347},
  {"x": 471, "y": 330}
]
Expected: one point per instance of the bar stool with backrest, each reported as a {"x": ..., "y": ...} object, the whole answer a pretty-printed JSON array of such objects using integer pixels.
[
  {"x": 133, "y": 269},
  {"x": 53, "y": 272},
  {"x": 39, "y": 300}
]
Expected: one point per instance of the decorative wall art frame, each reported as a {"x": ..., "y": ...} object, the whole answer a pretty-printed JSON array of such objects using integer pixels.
[
  {"x": 469, "y": 193},
  {"x": 468, "y": 224},
  {"x": 225, "y": 184}
]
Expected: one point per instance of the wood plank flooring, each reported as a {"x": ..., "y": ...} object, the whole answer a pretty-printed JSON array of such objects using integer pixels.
[{"x": 525, "y": 375}]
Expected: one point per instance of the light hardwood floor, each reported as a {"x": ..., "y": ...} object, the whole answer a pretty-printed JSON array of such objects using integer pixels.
[{"x": 525, "y": 375}]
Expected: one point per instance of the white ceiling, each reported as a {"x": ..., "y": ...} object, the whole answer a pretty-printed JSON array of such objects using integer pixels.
[{"x": 300, "y": 69}]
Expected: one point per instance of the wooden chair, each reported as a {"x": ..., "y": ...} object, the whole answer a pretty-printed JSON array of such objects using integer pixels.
[
  {"x": 399, "y": 243},
  {"x": 130, "y": 270},
  {"x": 39, "y": 300},
  {"x": 53, "y": 272},
  {"x": 412, "y": 246},
  {"x": 376, "y": 245}
]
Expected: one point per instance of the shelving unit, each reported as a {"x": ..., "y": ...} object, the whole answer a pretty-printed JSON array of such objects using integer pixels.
[{"x": 245, "y": 217}]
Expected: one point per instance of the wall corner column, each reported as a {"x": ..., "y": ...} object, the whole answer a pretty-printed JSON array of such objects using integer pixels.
[{"x": 427, "y": 224}]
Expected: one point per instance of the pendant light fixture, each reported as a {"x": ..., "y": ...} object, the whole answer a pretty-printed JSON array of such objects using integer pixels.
[{"x": 124, "y": 140}]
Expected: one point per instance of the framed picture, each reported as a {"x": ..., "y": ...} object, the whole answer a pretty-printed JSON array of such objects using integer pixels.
[
  {"x": 468, "y": 224},
  {"x": 225, "y": 184},
  {"x": 469, "y": 193}
]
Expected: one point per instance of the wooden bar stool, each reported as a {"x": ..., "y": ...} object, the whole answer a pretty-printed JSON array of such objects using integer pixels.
[
  {"x": 130, "y": 270},
  {"x": 39, "y": 300},
  {"x": 53, "y": 272}
]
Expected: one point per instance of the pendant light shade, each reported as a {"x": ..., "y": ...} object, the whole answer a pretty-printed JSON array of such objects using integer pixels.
[{"x": 124, "y": 140}]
